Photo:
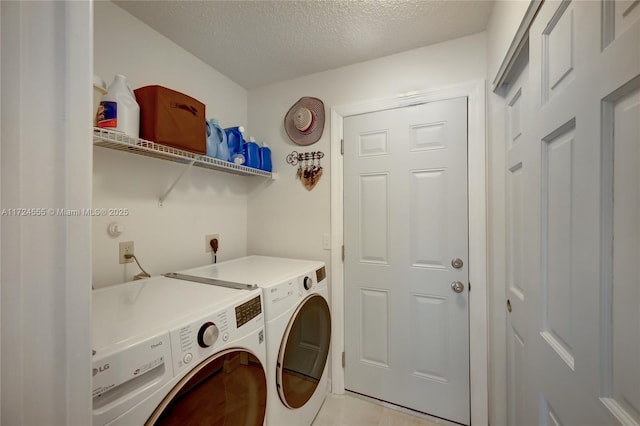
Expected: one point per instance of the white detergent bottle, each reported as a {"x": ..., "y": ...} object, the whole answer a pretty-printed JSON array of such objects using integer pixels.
[{"x": 118, "y": 109}]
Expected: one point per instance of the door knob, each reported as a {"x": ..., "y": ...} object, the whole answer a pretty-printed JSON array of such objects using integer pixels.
[
  {"x": 457, "y": 286},
  {"x": 457, "y": 263}
]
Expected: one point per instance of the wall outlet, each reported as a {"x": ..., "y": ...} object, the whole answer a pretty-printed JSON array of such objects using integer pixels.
[
  {"x": 207, "y": 242},
  {"x": 126, "y": 247}
]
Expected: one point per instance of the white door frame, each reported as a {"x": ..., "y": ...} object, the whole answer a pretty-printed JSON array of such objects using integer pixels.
[
  {"x": 478, "y": 312},
  {"x": 47, "y": 164}
]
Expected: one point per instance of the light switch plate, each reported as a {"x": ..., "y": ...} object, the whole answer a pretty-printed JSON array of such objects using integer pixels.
[{"x": 326, "y": 241}]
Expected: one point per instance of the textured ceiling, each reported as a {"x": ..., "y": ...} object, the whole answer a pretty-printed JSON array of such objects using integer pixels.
[{"x": 255, "y": 43}]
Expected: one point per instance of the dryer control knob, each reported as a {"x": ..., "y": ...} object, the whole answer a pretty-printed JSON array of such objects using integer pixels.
[
  {"x": 207, "y": 335},
  {"x": 308, "y": 282}
]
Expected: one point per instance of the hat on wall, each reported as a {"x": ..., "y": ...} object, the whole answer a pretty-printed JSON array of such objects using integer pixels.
[{"x": 304, "y": 121}]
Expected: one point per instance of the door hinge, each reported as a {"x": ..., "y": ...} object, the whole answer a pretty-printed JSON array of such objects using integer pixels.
[
  {"x": 469, "y": 285},
  {"x": 343, "y": 359},
  {"x": 341, "y": 146},
  {"x": 343, "y": 253}
]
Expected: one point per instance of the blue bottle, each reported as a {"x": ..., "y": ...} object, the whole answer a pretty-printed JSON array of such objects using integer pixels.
[
  {"x": 223, "y": 151},
  {"x": 265, "y": 158},
  {"x": 212, "y": 143},
  {"x": 235, "y": 140},
  {"x": 219, "y": 138},
  {"x": 251, "y": 154}
]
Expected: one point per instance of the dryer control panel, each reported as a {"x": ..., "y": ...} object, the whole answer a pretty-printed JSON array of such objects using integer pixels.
[{"x": 280, "y": 297}]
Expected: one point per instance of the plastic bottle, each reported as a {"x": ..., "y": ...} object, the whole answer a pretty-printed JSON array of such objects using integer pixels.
[
  {"x": 212, "y": 143},
  {"x": 215, "y": 138},
  {"x": 265, "y": 158},
  {"x": 251, "y": 154},
  {"x": 99, "y": 89},
  {"x": 238, "y": 159},
  {"x": 235, "y": 140},
  {"x": 223, "y": 152},
  {"x": 216, "y": 141},
  {"x": 118, "y": 109}
]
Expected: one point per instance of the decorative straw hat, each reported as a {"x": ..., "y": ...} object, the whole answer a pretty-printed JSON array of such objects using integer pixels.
[{"x": 304, "y": 121}]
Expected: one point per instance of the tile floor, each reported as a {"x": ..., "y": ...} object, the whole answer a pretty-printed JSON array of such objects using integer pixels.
[{"x": 347, "y": 410}]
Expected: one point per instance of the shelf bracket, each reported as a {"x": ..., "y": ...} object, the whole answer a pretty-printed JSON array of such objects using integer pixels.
[{"x": 168, "y": 191}]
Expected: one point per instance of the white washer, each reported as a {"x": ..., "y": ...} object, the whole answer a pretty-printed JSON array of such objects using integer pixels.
[
  {"x": 298, "y": 330},
  {"x": 167, "y": 351}
]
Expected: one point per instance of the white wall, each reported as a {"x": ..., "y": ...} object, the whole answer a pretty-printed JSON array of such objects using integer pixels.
[
  {"x": 204, "y": 202},
  {"x": 503, "y": 24}
]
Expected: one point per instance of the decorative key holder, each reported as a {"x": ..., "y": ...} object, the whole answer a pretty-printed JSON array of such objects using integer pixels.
[{"x": 309, "y": 168}]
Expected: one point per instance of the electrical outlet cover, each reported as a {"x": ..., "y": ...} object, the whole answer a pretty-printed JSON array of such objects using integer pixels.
[{"x": 126, "y": 247}]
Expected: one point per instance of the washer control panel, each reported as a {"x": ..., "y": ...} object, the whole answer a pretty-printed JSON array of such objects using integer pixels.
[
  {"x": 195, "y": 341},
  {"x": 207, "y": 335}
]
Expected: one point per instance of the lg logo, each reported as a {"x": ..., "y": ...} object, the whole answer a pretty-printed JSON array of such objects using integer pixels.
[{"x": 100, "y": 369}]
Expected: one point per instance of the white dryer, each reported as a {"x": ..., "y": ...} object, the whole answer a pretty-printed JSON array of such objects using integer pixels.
[
  {"x": 298, "y": 330},
  {"x": 171, "y": 352}
]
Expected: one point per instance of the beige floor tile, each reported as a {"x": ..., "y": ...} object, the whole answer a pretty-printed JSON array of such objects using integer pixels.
[
  {"x": 330, "y": 412},
  {"x": 346, "y": 410},
  {"x": 396, "y": 418}
]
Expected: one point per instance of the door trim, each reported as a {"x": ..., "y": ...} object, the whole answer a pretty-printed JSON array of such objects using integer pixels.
[
  {"x": 520, "y": 39},
  {"x": 475, "y": 92},
  {"x": 49, "y": 306}
]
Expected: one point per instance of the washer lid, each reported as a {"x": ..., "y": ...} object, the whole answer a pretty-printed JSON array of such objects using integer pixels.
[
  {"x": 262, "y": 270},
  {"x": 125, "y": 313}
]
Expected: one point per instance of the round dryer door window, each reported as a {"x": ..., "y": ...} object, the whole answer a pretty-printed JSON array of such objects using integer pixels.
[
  {"x": 229, "y": 388},
  {"x": 304, "y": 351}
]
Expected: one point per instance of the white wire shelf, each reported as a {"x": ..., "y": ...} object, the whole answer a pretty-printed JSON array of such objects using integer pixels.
[{"x": 121, "y": 142}]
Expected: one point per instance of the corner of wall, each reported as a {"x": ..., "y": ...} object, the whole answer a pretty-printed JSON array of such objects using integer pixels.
[{"x": 203, "y": 201}]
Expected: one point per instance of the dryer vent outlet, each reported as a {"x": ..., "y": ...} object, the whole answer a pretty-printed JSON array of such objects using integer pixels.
[{"x": 208, "y": 242}]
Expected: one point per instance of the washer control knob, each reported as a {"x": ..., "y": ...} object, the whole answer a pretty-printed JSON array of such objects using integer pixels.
[
  {"x": 308, "y": 282},
  {"x": 207, "y": 335}
]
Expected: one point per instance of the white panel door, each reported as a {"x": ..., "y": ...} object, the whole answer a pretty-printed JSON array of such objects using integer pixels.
[
  {"x": 405, "y": 220},
  {"x": 517, "y": 135},
  {"x": 581, "y": 207}
]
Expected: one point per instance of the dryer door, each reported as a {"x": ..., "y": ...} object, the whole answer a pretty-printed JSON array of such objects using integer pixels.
[
  {"x": 304, "y": 351},
  {"x": 228, "y": 388}
]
